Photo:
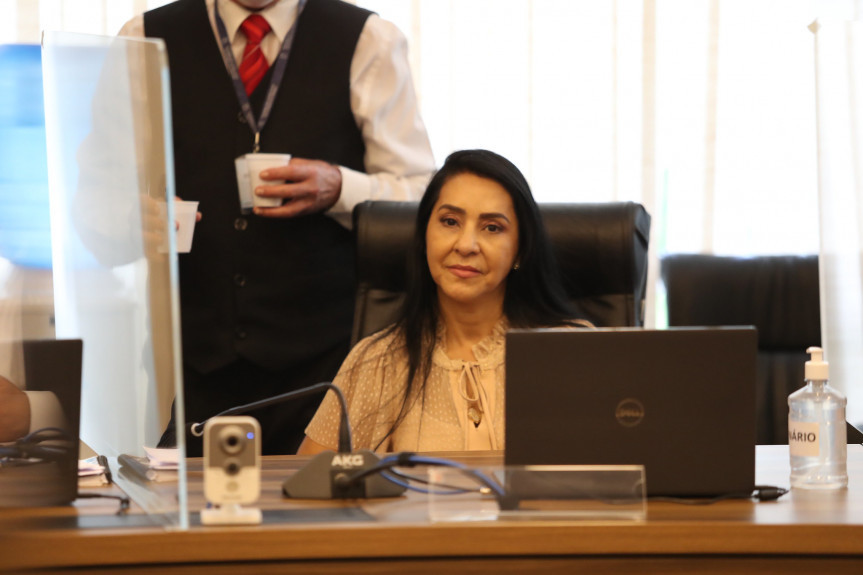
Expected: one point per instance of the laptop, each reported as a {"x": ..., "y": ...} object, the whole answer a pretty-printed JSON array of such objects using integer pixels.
[
  {"x": 53, "y": 366},
  {"x": 679, "y": 401}
]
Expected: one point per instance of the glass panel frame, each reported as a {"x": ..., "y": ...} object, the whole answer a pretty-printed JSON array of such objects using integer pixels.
[{"x": 111, "y": 187}]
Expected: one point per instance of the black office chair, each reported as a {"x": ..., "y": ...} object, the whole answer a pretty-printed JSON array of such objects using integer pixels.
[
  {"x": 601, "y": 248},
  {"x": 776, "y": 294}
]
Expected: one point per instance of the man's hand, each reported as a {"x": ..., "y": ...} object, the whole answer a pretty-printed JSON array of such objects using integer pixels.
[
  {"x": 155, "y": 229},
  {"x": 307, "y": 186},
  {"x": 14, "y": 411},
  {"x": 198, "y": 214}
]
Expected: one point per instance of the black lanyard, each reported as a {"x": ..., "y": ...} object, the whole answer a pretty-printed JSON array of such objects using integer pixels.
[{"x": 256, "y": 126}]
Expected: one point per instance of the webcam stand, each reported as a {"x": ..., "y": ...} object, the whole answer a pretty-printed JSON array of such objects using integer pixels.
[{"x": 231, "y": 514}]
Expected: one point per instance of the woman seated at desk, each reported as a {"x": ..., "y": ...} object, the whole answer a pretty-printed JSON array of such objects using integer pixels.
[{"x": 481, "y": 262}]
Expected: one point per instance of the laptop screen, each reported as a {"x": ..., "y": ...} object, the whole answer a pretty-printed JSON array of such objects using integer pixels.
[{"x": 679, "y": 401}]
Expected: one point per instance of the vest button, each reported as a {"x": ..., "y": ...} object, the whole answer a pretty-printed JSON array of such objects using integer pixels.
[
  {"x": 240, "y": 224},
  {"x": 240, "y": 117},
  {"x": 240, "y": 333},
  {"x": 239, "y": 280}
]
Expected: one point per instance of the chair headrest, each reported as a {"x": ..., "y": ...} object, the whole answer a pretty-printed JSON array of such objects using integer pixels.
[
  {"x": 779, "y": 295},
  {"x": 601, "y": 249}
]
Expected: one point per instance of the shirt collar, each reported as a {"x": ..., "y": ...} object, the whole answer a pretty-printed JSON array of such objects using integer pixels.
[
  {"x": 489, "y": 351},
  {"x": 280, "y": 16}
]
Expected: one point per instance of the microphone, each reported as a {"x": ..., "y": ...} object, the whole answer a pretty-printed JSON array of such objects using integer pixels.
[
  {"x": 328, "y": 475},
  {"x": 197, "y": 429},
  {"x": 332, "y": 475}
]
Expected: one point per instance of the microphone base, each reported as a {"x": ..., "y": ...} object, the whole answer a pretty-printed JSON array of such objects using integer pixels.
[{"x": 324, "y": 478}]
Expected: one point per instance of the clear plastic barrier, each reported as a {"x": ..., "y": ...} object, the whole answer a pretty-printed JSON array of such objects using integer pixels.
[
  {"x": 538, "y": 492},
  {"x": 38, "y": 384},
  {"x": 110, "y": 173},
  {"x": 838, "y": 86}
]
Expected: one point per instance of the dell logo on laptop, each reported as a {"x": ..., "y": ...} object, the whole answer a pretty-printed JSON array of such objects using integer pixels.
[{"x": 629, "y": 412}]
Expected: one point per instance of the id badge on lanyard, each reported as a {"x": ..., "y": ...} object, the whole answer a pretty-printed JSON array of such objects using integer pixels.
[{"x": 244, "y": 168}]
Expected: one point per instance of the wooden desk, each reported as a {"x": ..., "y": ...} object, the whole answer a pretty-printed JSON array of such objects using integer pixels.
[{"x": 803, "y": 532}]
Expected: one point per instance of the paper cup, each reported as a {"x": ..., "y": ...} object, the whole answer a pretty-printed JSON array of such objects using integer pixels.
[
  {"x": 185, "y": 214},
  {"x": 258, "y": 163}
]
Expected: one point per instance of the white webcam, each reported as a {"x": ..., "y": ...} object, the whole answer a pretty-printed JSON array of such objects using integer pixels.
[{"x": 232, "y": 469}]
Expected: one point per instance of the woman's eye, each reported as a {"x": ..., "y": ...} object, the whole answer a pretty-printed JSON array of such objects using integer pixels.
[
  {"x": 449, "y": 221},
  {"x": 493, "y": 228}
]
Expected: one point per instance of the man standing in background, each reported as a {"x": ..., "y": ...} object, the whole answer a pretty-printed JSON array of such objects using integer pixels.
[{"x": 267, "y": 297}]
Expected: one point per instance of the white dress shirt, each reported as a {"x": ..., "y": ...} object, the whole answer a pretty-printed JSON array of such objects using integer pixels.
[{"x": 398, "y": 158}]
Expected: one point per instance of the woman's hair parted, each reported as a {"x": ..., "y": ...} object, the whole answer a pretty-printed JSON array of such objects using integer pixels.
[{"x": 534, "y": 297}]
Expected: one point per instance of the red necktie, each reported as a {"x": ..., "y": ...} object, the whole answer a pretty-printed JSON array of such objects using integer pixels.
[{"x": 254, "y": 64}]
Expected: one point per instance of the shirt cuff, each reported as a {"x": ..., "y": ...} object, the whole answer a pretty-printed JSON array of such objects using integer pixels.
[
  {"x": 45, "y": 410},
  {"x": 356, "y": 187}
]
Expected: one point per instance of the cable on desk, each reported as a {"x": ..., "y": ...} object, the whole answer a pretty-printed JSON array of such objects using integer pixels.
[
  {"x": 34, "y": 448},
  {"x": 487, "y": 485},
  {"x": 443, "y": 489},
  {"x": 409, "y": 459},
  {"x": 761, "y": 493}
]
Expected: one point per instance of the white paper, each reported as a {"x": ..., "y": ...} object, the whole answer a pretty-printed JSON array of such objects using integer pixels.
[{"x": 162, "y": 459}]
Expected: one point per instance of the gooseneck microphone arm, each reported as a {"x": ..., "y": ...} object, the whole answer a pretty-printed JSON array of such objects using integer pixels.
[{"x": 345, "y": 445}]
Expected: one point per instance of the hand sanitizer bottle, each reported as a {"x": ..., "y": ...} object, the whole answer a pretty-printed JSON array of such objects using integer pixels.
[{"x": 816, "y": 430}]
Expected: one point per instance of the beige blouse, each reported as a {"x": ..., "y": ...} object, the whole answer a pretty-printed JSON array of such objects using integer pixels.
[{"x": 372, "y": 379}]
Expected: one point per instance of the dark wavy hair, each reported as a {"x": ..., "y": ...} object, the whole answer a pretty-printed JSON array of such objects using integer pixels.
[{"x": 534, "y": 297}]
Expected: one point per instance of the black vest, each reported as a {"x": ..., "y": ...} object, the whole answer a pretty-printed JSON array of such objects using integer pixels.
[{"x": 276, "y": 292}]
